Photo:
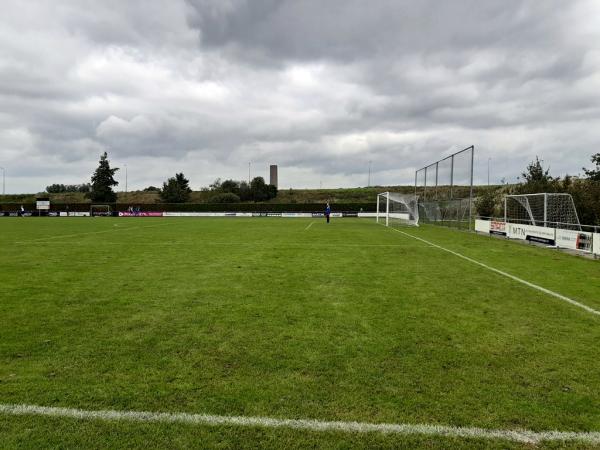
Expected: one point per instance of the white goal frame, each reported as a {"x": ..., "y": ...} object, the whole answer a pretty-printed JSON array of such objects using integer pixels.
[
  {"x": 398, "y": 208},
  {"x": 107, "y": 210},
  {"x": 546, "y": 209}
]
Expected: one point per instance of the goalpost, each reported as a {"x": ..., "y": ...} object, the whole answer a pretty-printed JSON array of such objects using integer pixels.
[
  {"x": 544, "y": 209},
  {"x": 399, "y": 209},
  {"x": 100, "y": 210}
]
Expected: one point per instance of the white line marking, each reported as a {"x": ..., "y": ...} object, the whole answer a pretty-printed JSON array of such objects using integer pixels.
[
  {"x": 90, "y": 232},
  {"x": 508, "y": 275},
  {"x": 524, "y": 436},
  {"x": 309, "y": 225}
]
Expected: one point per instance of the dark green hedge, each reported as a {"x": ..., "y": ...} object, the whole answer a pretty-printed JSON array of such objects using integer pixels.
[{"x": 206, "y": 207}]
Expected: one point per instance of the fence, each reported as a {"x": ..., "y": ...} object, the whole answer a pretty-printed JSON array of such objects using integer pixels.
[{"x": 445, "y": 190}]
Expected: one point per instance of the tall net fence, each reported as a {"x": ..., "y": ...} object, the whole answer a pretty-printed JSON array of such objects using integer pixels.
[
  {"x": 545, "y": 210},
  {"x": 445, "y": 190}
]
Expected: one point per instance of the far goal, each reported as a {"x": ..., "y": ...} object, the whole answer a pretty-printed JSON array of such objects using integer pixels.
[
  {"x": 397, "y": 209},
  {"x": 100, "y": 211}
]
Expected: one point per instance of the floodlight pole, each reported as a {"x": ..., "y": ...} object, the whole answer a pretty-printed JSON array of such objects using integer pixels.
[
  {"x": 249, "y": 164},
  {"x": 3, "y": 180},
  {"x": 489, "y": 159},
  {"x": 125, "y": 177}
]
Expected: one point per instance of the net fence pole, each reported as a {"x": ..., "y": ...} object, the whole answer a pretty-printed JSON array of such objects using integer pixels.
[
  {"x": 471, "y": 189},
  {"x": 545, "y": 209},
  {"x": 451, "y": 176},
  {"x": 387, "y": 209},
  {"x": 436, "y": 180},
  {"x": 416, "y": 174},
  {"x": 377, "y": 213}
]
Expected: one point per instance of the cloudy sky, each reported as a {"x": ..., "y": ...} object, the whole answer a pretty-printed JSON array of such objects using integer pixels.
[{"x": 318, "y": 87}]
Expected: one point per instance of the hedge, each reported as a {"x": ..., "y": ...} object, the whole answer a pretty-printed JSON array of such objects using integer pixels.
[{"x": 205, "y": 207}]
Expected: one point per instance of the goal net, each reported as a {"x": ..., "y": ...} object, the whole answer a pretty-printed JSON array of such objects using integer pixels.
[
  {"x": 100, "y": 210},
  {"x": 544, "y": 210},
  {"x": 397, "y": 209}
]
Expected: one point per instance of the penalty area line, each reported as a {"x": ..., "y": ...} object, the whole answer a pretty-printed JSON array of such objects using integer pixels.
[
  {"x": 507, "y": 275},
  {"x": 309, "y": 225},
  {"x": 523, "y": 436}
]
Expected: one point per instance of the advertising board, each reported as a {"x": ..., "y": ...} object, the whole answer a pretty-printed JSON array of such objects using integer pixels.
[
  {"x": 532, "y": 233},
  {"x": 575, "y": 240},
  {"x": 482, "y": 226}
]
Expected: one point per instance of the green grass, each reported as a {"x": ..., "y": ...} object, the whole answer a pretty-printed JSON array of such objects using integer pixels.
[{"x": 262, "y": 317}]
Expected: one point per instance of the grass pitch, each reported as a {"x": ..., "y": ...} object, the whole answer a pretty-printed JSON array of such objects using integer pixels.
[{"x": 349, "y": 321}]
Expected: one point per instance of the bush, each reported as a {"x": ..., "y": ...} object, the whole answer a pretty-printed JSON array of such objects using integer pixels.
[
  {"x": 485, "y": 204},
  {"x": 227, "y": 197}
]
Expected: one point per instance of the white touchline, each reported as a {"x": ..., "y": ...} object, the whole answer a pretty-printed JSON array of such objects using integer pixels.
[
  {"x": 309, "y": 225},
  {"x": 525, "y": 436},
  {"x": 508, "y": 275}
]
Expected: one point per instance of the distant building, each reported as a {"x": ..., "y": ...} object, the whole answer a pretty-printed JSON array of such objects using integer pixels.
[{"x": 273, "y": 175}]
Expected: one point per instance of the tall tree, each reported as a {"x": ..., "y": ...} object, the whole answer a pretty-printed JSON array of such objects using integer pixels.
[
  {"x": 103, "y": 181},
  {"x": 537, "y": 179},
  {"x": 594, "y": 174},
  {"x": 262, "y": 191},
  {"x": 176, "y": 189}
]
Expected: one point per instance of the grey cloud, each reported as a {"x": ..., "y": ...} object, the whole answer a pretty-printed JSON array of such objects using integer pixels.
[{"x": 320, "y": 88}]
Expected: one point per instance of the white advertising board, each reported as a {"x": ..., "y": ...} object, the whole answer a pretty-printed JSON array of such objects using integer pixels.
[
  {"x": 482, "y": 226},
  {"x": 401, "y": 216},
  {"x": 42, "y": 204},
  {"x": 596, "y": 240},
  {"x": 296, "y": 214},
  {"x": 532, "y": 233},
  {"x": 575, "y": 240},
  {"x": 207, "y": 214}
]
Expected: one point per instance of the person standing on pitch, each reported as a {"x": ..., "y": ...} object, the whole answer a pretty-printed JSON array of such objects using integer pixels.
[{"x": 327, "y": 212}]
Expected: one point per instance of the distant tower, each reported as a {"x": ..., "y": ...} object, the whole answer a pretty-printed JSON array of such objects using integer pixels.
[{"x": 273, "y": 175}]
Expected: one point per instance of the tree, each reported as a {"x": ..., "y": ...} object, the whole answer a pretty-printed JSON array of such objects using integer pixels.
[
  {"x": 103, "y": 181},
  {"x": 244, "y": 192},
  {"x": 230, "y": 186},
  {"x": 152, "y": 189},
  {"x": 537, "y": 179},
  {"x": 262, "y": 191},
  {"x": 176, "y": 189},
  {"x": 486, "y": 203},
  {"x": 594, "y": 174},
  {"x": 56, "y": 188},
  {"x": 59, "y": 188}
]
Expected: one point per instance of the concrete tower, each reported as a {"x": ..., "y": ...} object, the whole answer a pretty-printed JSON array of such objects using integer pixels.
[{"x": 273, "y": 175}]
